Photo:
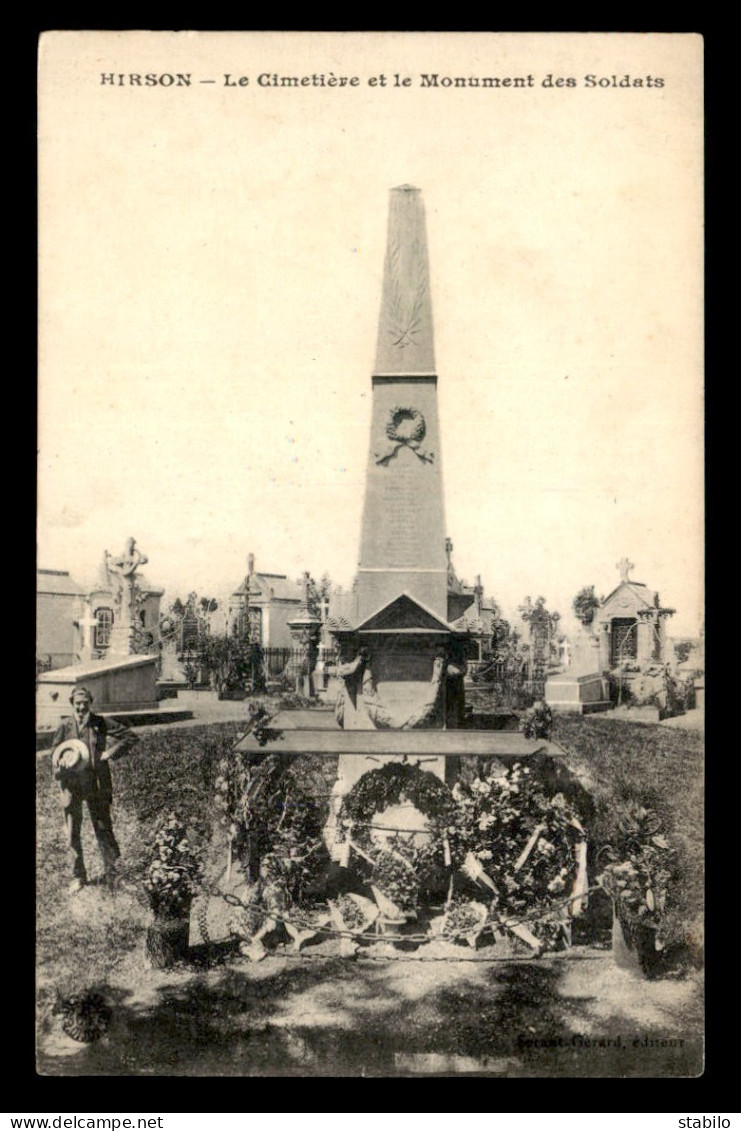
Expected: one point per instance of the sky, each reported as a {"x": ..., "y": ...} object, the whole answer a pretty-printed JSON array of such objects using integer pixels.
[{"x": 211, "y": 263}]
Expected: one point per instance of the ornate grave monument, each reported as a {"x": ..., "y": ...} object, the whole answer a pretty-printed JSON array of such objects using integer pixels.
[
  {"x": 124, "y": 566},
  {"x": 402, "y": 660},
  {"x": 402, "y": 640}
]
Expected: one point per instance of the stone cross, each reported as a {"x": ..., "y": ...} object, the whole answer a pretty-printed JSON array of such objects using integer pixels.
[
  {"x": 128, "y": 562},
  {"x": 625, "y": 567},
  {"x": 125, "y": 566}
]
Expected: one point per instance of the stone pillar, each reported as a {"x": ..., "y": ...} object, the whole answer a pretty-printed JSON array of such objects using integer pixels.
[
  {"x": 122, "y": 638},
  {"x": 644, "y": 647},
  {"x": 661, "y": 629},
  {"x": 605, "y": 645},
  {"x": 402, "y": 537}
]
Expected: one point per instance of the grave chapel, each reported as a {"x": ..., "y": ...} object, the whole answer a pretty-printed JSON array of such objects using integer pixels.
[
  {"x": 75, "y": 623},
  {"x": 403, "y": 644},
  {"x": 630, "y": 624}
]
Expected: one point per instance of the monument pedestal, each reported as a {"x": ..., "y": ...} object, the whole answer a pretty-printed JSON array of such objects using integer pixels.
[
  {"x": 128, "y": 683},
  {"x": 582, "y": 694}
]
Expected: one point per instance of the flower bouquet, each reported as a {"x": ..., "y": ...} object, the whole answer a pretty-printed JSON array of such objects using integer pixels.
[
  {"x": 395, "y": 887},
  {"x": 304, "y": 924},
  {"x": 537, "y": 722},
  {"x": 464, "y": 921},
  {"x": 351, "y": 913}
]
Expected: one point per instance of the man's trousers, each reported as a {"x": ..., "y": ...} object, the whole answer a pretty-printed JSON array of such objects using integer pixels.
[{"x": 100, "y": 815}]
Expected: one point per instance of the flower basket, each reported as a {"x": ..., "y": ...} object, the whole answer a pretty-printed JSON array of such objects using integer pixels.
[
  {"x": 464, "y": 922},
  {"x": 637, "y": 880},
  {"x": 634, "y": 946},
  {"x": 352, "y": 913},
  {"x": 170, "y": 882}
]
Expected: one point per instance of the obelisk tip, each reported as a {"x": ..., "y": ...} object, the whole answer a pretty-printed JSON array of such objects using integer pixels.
[{"x": 405, "y": 344}]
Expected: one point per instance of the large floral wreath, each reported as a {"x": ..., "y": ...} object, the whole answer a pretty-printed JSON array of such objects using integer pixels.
[
  {"x": 402, "y": 866},
  {"x": 497, "y": 851}
]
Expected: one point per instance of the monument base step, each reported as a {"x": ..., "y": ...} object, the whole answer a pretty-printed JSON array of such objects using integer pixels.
[
  {"x": 327, "y": 739},
  {"x": 160, "y": 717},
  {"x": 640, "y": 714}
]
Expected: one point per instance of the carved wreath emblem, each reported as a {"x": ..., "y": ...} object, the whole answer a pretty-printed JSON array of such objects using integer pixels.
[{"x": 405, "y": 427}]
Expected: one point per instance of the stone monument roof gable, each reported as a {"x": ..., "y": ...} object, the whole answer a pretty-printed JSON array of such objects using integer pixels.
[
  {"x": 273, "y": 586},
  {"x": 640, "y": 593},
  {"x": 404, "y": 613}
]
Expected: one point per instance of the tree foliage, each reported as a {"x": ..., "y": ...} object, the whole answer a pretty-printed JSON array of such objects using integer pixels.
[
  {"x": 233, "y": 663},
  {"x": 585, "y": 604}
]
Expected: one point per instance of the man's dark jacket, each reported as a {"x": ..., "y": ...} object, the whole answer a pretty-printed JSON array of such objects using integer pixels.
[{"x": 97, "y": 780}]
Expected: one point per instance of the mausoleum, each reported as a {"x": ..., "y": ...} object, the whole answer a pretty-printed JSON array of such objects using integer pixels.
[
  {"x": 114, "y": 645},
  {"x": 631, "y": 624}
]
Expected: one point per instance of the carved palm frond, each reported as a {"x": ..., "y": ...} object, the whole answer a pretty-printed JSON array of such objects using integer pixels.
[{"x": 405, "y": 297}]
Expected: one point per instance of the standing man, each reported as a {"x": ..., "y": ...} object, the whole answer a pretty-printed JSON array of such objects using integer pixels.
[{"x": 80, "y": 764}]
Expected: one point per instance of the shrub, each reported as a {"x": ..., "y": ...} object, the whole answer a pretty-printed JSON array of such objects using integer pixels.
[
  {"x": 537, "y": 722},
  {"x": 585, "y": 604}
]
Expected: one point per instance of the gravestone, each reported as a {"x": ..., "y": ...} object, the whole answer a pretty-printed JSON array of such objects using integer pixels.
[
  {"x": 171, "y": 674},
  {"x": 304, "y": 627},
  {"x": 87, "y": 626},
  {"x": 581, "y": 689}
]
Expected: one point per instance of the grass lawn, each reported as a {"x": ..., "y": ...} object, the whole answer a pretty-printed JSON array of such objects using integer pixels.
[{"x": 660, "y": 767}]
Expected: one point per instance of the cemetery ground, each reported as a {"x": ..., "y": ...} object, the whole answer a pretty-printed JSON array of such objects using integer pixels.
[{"x": 492, "y": 1012}]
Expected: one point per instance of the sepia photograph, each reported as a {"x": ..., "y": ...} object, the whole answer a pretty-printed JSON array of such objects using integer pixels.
[{"x": 370, "y": 632}]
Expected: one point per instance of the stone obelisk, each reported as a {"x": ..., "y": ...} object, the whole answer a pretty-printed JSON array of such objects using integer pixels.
[{"x": 402, "y": 545}]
